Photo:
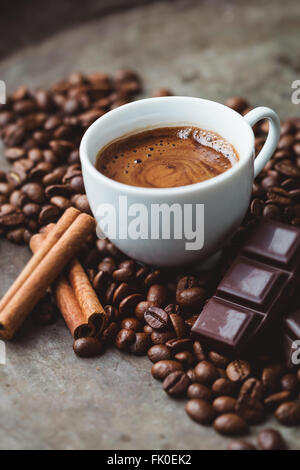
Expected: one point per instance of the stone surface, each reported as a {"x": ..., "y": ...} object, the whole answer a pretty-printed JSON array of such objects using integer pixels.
[{"x": 50, "y": 399}]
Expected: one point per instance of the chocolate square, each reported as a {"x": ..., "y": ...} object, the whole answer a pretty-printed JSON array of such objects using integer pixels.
[
  {"x": 225, "y": 325},
  {"x": 251, "y": 282},
  {"x": 274, "y": 243}
]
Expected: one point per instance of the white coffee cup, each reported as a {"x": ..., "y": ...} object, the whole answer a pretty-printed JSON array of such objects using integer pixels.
[{"x": 225, "y": 198}]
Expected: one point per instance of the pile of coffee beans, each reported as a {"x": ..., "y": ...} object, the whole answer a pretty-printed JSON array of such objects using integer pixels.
[
  {"x": 150, "y": 311},
  {"x": 41, "y": 131}
]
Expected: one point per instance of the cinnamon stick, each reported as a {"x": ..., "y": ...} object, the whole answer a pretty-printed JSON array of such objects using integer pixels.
[
  {"x": 62, "y": 225},
  {"x": 44, "y": 273},
  {"x": 70, "y": 309},
  {"x": 87, "y": 298},
  {"x": 79, "y": 305}
]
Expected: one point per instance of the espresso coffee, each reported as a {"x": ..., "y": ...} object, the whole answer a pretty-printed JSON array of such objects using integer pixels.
[{"x": 166, "y": 157}]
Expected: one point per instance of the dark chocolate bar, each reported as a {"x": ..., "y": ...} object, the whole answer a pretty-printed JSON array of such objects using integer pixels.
[
  {"x": 254, "y": 292},
  {"x": 291, "y": 334}
]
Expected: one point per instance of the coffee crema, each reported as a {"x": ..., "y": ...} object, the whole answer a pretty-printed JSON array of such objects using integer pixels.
[{"x": 166, "y": 157}]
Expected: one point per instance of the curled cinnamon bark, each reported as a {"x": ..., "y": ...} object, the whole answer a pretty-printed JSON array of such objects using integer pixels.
[{"x": 32, "y": 285}]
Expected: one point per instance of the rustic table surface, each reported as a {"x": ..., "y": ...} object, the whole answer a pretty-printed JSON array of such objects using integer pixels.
[{"x": 50, "y": 399}]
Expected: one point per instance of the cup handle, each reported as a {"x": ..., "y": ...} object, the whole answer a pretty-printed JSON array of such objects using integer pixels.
[{"x": 270, "y": 145}]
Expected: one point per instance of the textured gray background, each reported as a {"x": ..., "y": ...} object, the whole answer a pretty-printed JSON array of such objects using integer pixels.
[{"x": 50, "y": 399}]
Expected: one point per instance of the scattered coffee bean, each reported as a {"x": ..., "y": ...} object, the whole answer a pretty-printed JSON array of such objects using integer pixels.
[
  {"x": 162, "y": 368},
  {"x": 157, "y": 318},
  {"x": 200, "y": 411},
  {"x": 197, "y": 390},
  {"x": 224, "y": 404},
  {"x": 124, "y": 339},
  {"x": 176, "y": 383},
  {"x": 238, "y": 371},
  {"x": 270, "y": 439},
  {"x": 230, "y": 424},
  {"x": 206, "y": 373},
  {"x": 159, "y": 352},
  {"x": 288, "y": 413},
  {"x": 88, "y": 347}
]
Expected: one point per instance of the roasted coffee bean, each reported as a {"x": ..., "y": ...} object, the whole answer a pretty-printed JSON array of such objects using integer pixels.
[
  {"x": 271, "y": 376},
  {"x": 162, "y": 337},
  {"x": 108, "y": 297},
  {"x": 123, "y": 275},
  {"x": 128, "y": 304},
  {"x": 110, "y": 313},
  {"x": 191, "y": 374},
  {"x": 107, "y": 264},
  {"x": 49, "y": 213},
  {"x": 159, "y": 352},
  {"x": 110, "y": 332},
  {"x": 16, "y": 235},
  {"x": 14, "y": 153},
  {"x": 88, "y": 347},
  {"x": 198, "y": 351},
  {"x": 61, "y": 202},
  {"x": 253, "y": 388},
  {"x": 161, "y": 369},
  {"x": 288, "y": 413},
  {"x": 200, "y": 411},
  {"x": 196, "y": 390},
  {"x": 176, "y": 383},
  {"x": 6, "y": 189},
  {"x": 217, "y": 359},
  {"x": 45, "y": 313},
  {"x": 206, "y": 373},
  {"x": 31, "y": 209},
  {"x": 224, "y": 386},
  {"x": 141, "y": 308},
  {"x": 274, "y": 400},
  {"x": 162, "y": 92},
  {"x": 224, "y": 404},
  {"x": 122, "y": 291},
  {"x": 141, "y": 273},
  {"x": 273, "y": 212},
  {"x": 141, "y": 344},
  {"x": 18, "y": 198},
  {"x": 157, "y": 318},
  {"x": 186, "y": 358},
  {"x": 289, "y": 382},
  {"x": 82, "y": 204},
  {"x": 240, "y": 444},
  {"x": 230, "y": 424},
  {"x": 131, "y": 324},
  {"x": 250, "y": 409},
  {"x": 191, "y": 298},
  {"x": 238, "y": 371},
  {"x": 177, "y": 345},
  {"x": 157, "y": 294},
  {"x": 8, "y": 209},
  {"x": 124, "y": 339},
  {"x": 270, "y": 439},
  {"x": 237, "y": 103},
  {"x": 178, "y": 324},
  {"x": 148, "y": 330},
  {"x": 152, "y": 278},
  {"x": 35, "y": 192},
  {"x": 12, "y": 220}
]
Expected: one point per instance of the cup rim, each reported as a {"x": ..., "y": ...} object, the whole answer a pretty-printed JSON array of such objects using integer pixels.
[{"x": 201, "y": 185}]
